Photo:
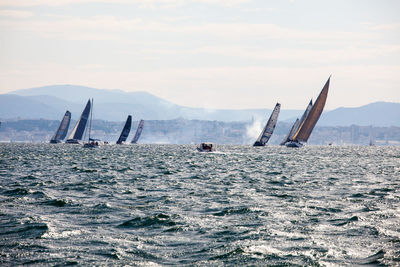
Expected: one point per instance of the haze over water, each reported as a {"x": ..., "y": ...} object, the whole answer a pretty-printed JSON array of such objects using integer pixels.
[{"x": 170, "y": 205}]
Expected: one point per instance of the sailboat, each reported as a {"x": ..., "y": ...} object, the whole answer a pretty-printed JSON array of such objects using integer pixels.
[
  {"x": 296, "y": 125},
  {"x": 138, "y": 132},
  {"x": 311, "y": 118},
  {"x": 91, "y": 141},
  {"x": 62, "y": 130},
  {"x": 371, "y": 143},
  {"x": 269, "y": 127},
  {"x": 291, "y": 132},
  {"x": 77, "y": 133},
  {"x": 125, "y": 131},
  {"x": 371, "y": 137}
]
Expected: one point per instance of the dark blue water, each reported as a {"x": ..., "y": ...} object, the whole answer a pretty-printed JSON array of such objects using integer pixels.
[{"x": 170, "y": 205}]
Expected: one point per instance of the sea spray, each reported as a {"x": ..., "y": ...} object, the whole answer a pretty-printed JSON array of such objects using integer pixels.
[{"x": 253, "y": 130}]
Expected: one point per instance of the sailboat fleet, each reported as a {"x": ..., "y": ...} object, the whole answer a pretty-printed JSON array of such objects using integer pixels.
[
  {"x": 84, "y": 125},
  {"x": 298, "y": 135},
  {"x": 302, "y": 128}
]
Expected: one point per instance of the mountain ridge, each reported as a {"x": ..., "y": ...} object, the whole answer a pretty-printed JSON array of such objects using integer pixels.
[{"x": 50, "y": 102}]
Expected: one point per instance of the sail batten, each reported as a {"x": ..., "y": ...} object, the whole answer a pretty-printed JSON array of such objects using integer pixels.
[
  {"x": 138, "y": 132},
  {"x": 269, "y": 127},
  {"x": 125, "y": 130},
  {"x": 305, "y": 129},
  {"x": 80, "y": 126},
  {"x": 62, "y": 129}
]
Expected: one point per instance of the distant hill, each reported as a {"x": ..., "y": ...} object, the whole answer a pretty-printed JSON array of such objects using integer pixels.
[
  {"x": 50, "y": 102},
  {"x": 14, "y": 106},
  {"x": 377, "y": 114},
  {"x": 115, "y": 105}
]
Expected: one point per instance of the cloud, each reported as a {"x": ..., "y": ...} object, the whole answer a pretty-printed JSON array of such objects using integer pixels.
[
  {"x": 28, "y": 3},
  {"x": 326, "y": 55},
  {"x": 17, "y": 14},
  {"x": 59, "y": 26},
  {"x": 72, "y": 28},
  {"x": 271, "y": 31},
  {"x": 260, "y": 9},
  {"x": 228, "y": 3},
  {"x": 259, "y": 54},
  {"x": 139, "y": 3},
  {"x": 385, "y": 27}
]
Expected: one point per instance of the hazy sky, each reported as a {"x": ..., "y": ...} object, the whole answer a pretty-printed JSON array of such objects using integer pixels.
[{"x": 207, "y": 53}]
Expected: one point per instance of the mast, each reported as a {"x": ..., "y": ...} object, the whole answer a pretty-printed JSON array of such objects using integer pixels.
[
  {"x": 91, "y": 118},
  {"x": 125, "y": 130},
  {"x": 305, "y": 129},
  {"x": 269, "y": 127}
]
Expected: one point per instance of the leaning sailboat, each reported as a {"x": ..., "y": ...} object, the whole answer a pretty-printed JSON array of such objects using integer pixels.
[
  {"x": 269, "y": 127},
  {"x": 291, "y": 132},
  {"x": 77, "y": 133},
  {"x": 296, "y": 125},
  {"x": 62, "y": 130},
  {"x": 306, "y": 127},
  {"x": 138, "y": 132},
  {"x": 125, "y": 131}
]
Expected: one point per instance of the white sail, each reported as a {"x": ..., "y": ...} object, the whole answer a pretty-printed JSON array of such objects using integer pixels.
[{"x": 269, "y": 127}]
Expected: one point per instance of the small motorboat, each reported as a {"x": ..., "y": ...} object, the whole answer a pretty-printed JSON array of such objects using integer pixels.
[
  {"x": 206, "y": 147},
  {"x": 94, "y": 143}
]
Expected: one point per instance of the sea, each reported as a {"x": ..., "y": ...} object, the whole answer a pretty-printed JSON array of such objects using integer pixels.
[{"x": 163, "y": 205}]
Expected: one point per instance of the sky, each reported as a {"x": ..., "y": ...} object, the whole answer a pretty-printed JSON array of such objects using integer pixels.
[{"x": 207, "y": 53}]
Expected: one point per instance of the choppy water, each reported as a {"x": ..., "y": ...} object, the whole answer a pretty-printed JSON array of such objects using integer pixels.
[{"x": 170, "y": 205}]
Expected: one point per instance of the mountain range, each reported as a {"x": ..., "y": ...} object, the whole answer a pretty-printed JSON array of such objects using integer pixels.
[{"x": 50, "y": 102}]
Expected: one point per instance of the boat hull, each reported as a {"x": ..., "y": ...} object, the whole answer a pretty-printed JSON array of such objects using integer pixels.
[
  {"x": 90, "y": 145},
  {"x": 205, "y": 150},
  {"x": 258, "y": 144},
  {"x": 72, "y": 141},
  {"x": 294, "y": 144},
  {"x": 95, "y": 143},
  {"x": 55, "y": 141}
]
